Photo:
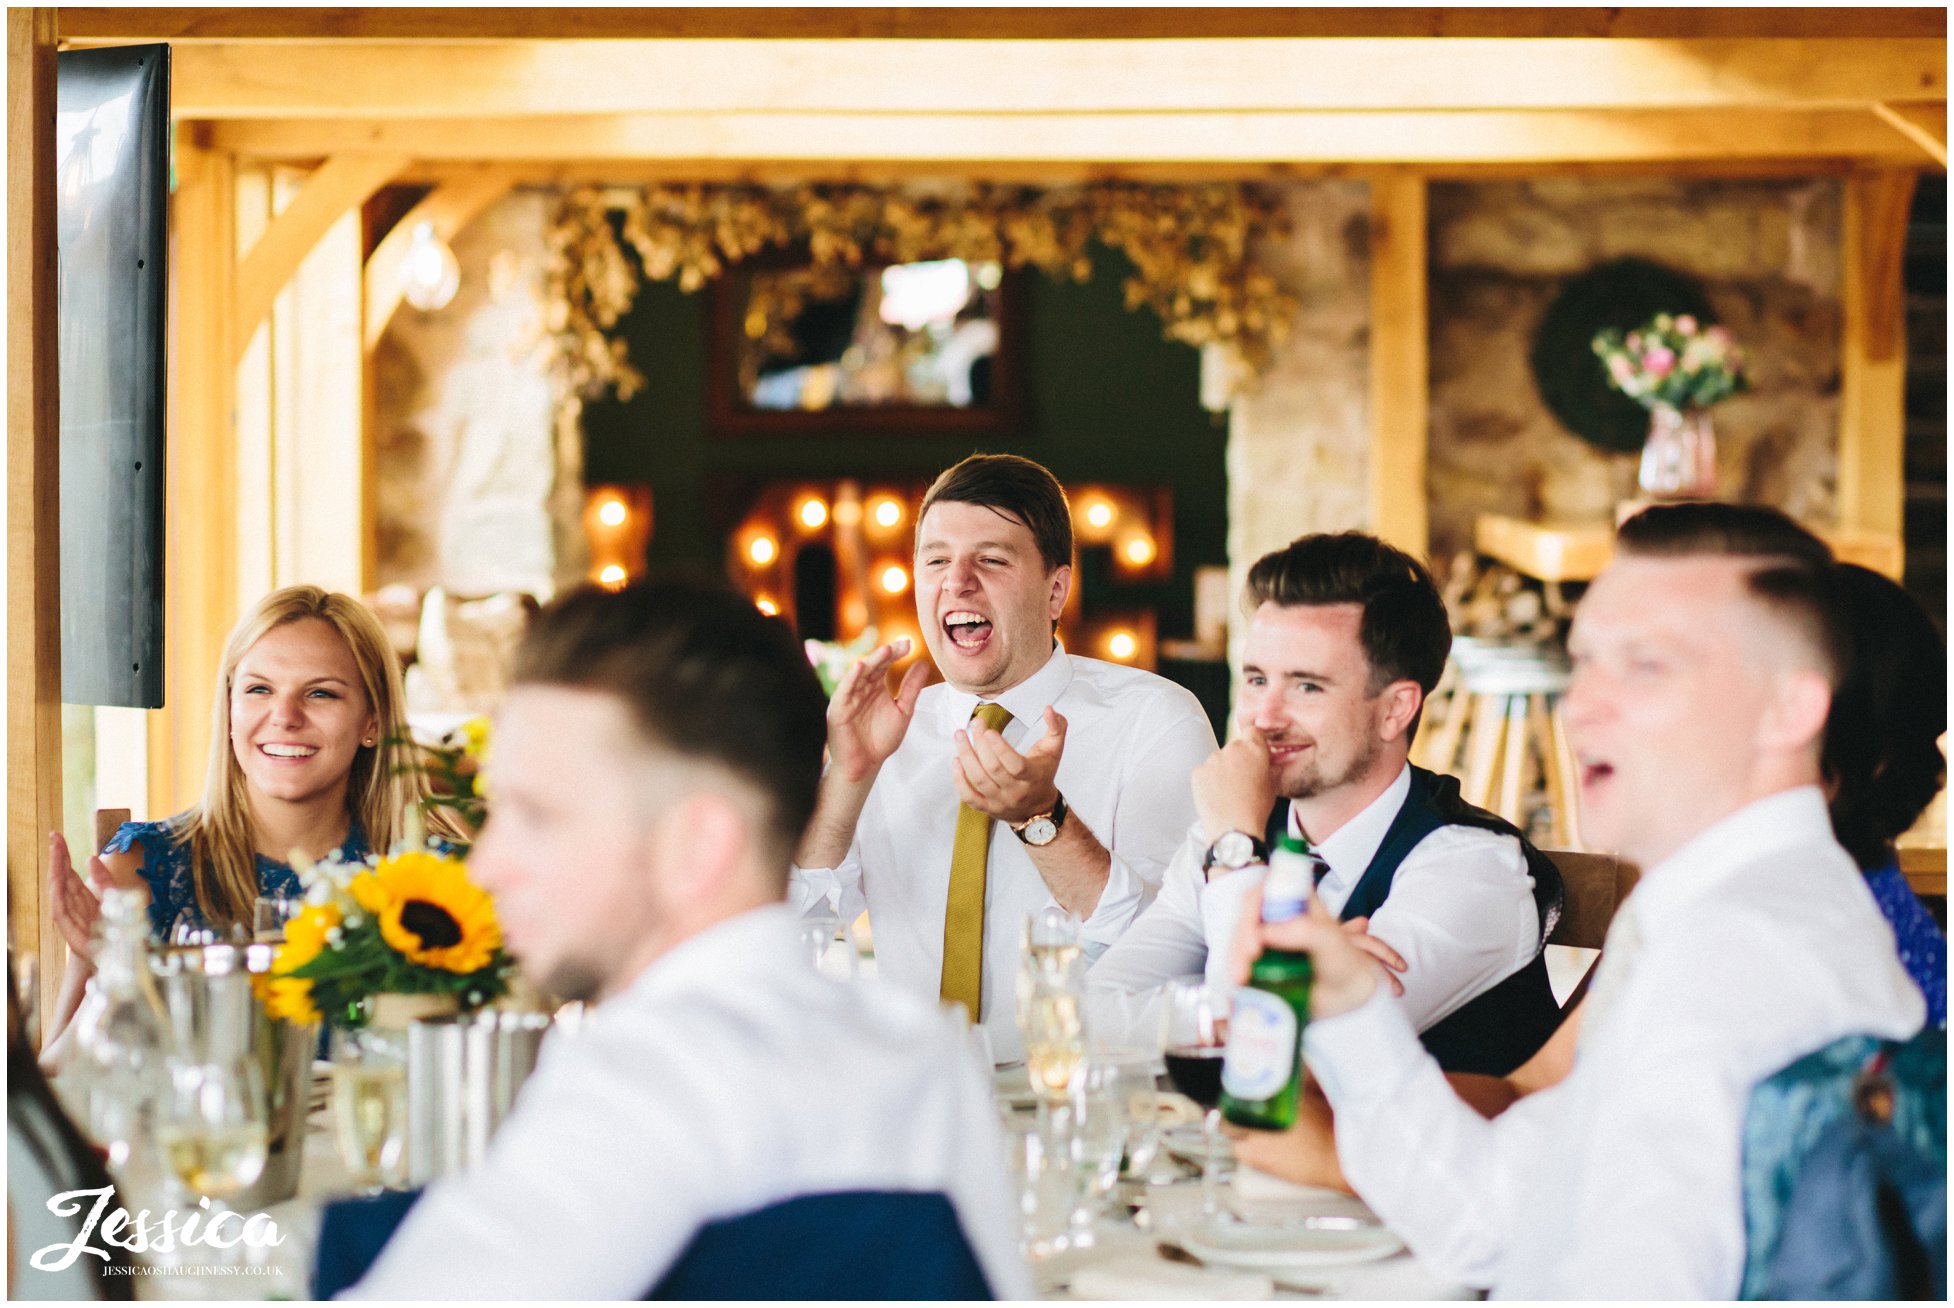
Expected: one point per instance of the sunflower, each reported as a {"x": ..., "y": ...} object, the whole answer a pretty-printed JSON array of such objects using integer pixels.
[
  {"x": 431, "y": 912},
  {"x": 290, "y": 998},
  {"x": 305, "y": 937}
]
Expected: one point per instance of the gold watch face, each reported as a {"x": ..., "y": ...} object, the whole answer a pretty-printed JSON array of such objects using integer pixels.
[{"x": 1040, "y": 830}]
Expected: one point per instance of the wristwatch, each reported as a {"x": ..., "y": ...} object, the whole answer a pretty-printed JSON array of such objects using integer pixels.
[
  {"x": 1041, "y": 829},
  {"x": 1235, "y": 850}
]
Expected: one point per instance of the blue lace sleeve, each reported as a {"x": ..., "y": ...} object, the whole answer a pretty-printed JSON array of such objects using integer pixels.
[
  {"x": 1921, "y": 943},
  {"x": 166, "y": 870}
]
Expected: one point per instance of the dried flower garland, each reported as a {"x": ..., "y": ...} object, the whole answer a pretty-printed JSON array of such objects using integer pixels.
[{"x": 1191, "y": 249}]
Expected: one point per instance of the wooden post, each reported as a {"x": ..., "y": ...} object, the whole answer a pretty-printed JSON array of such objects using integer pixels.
[
  {"x": 33, "y": 495},
  {"x": 1400, "y": 377},
  {"x": 1872, "y": 389},
  {"x": 200, "y": 544}
]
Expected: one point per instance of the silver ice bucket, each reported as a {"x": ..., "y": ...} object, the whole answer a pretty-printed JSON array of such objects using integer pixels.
[
  {"x": 463, "y": 1074},
  {"x": 214, "y": 1014}
]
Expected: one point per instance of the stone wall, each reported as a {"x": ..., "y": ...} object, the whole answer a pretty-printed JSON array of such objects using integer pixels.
[
  {"x": 469, "y": 491},
  {"x": 1298, "y": 443},
  {"x": 1766, "y": 254}
]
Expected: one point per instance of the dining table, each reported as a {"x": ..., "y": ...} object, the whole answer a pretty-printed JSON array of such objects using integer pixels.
[{"x": 1151, "y": 1239}]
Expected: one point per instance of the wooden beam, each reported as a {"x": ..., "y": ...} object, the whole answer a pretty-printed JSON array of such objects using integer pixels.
[
  {"x": 1872, "y": 384},
  {"x": 33, "y": 495},
  {"x": 1511, "y": 137},
  {"x": 450, "y": 207},
  {"x": 1922, "y": 122},
  {"x": 183, "y": 27},
  {"x": 340, "y": 186},
  {"x": 1209, "y": 75},
  {"x": 1400, "y": 378},
  {"x": 201, "y": 474},
  {"x": 545, "y": 172}
]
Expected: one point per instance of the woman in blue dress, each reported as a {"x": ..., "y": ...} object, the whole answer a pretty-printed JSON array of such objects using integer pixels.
[
  {"x": 307, "y": 699},
  {"x": 1883, "y": 759}
]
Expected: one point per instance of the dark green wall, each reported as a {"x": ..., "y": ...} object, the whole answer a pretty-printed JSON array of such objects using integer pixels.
[{"x": 1108, "y": 399}]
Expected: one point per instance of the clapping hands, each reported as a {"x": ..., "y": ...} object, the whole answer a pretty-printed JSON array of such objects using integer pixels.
[
  {"x": 76, "y": 904},
  {"x": 866, "y": 724},
  {"x": 995, "y": 779}
]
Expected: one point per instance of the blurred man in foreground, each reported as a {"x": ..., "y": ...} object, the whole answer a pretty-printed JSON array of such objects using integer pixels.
[
  {"x": 654, "y": 764},
  {"x": 1705, "y": 659}
]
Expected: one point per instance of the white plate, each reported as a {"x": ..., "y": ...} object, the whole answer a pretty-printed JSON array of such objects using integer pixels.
[{"x": 1232, "y": 1244}]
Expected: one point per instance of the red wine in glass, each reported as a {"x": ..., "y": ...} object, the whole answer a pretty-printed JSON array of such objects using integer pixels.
[{"x": 1195, "y": 1071}]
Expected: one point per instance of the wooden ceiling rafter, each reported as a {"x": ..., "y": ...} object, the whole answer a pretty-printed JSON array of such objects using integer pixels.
[
  {"x": 953, "y": 140},
  {"x": 1257, "y": 75},
  {"x": 190, "y": 25}
]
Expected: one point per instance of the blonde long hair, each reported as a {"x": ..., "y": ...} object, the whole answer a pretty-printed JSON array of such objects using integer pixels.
[{"x": 223, "y": 855}]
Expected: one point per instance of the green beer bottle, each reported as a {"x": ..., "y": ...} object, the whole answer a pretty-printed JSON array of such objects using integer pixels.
[{"x": 1263, "y": 1070}]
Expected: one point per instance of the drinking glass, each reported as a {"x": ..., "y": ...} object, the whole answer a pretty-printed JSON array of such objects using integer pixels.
[
  {"x": 1193, "y": 1040},
  {"x": 369, "y": 1106},
  {"x": 212, "y": 1130},
  {"x": 1101, "y": 1132},
  {"x": 829, "y": 946},
  {"x": 271, "y": 913},
  {"x": 1049, "y": 1183},
  {"x": 1051, "y": 992},
  {"x": 1127, "y": 1075}
]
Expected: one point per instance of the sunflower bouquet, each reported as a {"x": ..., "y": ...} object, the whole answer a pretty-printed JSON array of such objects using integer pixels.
[{"x": 409, "y": 923}]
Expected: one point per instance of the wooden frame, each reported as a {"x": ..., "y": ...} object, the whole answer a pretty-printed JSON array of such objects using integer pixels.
[{"x": 726, "y": 414}]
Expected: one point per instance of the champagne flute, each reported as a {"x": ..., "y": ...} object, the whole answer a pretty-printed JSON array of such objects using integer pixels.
[
  {"x": 369, "y": 1106},
  {"x": 212, "y": 1128},
  {"x": 1051, "y": 990},
  {"x": 1194, "y": 1038}
]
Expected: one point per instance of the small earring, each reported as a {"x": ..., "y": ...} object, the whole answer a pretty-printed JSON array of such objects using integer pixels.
[{"x": 367, "y": 743}]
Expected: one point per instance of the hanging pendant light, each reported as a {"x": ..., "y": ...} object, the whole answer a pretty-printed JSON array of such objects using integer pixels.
[{"x": 429, "y": 275}]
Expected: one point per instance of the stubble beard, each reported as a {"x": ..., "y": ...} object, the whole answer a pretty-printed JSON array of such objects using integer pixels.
[{"x": 1314, "y": 781}]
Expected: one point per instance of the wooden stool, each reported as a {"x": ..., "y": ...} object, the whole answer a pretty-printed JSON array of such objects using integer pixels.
[{"x": 1499, "y": 711}]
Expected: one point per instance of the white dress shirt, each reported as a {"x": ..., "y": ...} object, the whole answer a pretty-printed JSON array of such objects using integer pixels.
[
  {"x": 1460, "y": 910},
  {"x": 728, "y": 1077},
  {"x": 1132, "y": 739},
  {"x": 1758, "y": 943}
]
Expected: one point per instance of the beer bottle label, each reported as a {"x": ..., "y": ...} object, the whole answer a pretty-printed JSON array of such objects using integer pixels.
[{"x": 1261, "y": 1046}]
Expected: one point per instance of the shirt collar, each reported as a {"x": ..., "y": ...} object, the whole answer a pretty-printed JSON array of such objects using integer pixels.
[
  {"x": 1026, "y": 701},
  {"x": 1789, "y": 820},
  {"x": 1349, "y": 852}
]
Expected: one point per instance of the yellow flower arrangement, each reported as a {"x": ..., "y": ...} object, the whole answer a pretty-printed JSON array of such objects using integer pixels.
[{"x": 410, "y": 923}]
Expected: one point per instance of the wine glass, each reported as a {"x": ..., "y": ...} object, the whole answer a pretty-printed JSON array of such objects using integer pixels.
[
  {"x": 1193, "y": 1039},
  {"x": 270, "y": 914},
  {"x": 212, "y": 1128},
  {"x": 369, "y": 1106}
]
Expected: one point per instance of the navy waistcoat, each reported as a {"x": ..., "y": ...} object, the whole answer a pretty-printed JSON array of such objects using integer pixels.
[{"x": 1503, "y": 1027}]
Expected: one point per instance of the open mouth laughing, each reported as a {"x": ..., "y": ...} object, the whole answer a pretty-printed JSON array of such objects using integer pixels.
[
  {"x": 968, "y": 631},
  {"x": 287, "y": 751}
]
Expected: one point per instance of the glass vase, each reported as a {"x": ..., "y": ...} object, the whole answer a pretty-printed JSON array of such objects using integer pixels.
[{"x": 1679, "y": 459}]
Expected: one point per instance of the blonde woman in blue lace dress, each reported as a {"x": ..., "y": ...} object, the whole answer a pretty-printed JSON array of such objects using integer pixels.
[{"x": 307, "y": 700}]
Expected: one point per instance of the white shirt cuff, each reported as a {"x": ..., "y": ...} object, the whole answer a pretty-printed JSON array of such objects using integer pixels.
[
  {"x": 1221, "y": 913},
  {"x": 1119, "y": 903},
  {"x": 1363, "y": 1053}
]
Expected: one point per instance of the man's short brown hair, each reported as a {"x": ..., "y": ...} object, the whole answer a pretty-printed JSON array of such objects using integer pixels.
[
  {"x": 1016, "y": 485},
  {"x": 1404, "y": 631},
  {"x": 1792, "y": 574},
  {"x": 705, "y": 675}
]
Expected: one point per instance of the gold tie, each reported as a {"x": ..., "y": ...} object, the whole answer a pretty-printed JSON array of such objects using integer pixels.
[{"x": 963, "y": 915}]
